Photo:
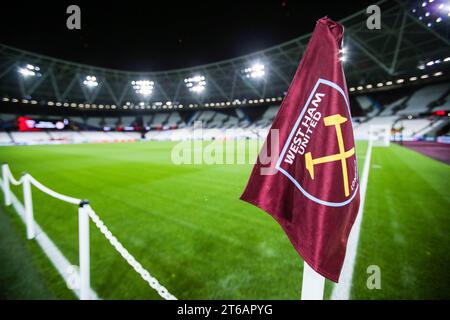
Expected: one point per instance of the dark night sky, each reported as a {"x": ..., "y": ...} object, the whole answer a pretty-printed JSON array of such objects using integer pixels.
[{"x": 156, "y": 35}]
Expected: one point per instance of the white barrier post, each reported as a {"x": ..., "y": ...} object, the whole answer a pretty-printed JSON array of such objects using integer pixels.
[
  {"x": 6, "y": 190},
  {"x": 28, "y": 204},
  {"x": 83, "y": 238}
]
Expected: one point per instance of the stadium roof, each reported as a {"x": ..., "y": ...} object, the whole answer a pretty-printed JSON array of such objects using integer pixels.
[{"x": 405, "y": 49}]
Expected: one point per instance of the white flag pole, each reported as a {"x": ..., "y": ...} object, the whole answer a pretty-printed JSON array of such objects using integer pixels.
[
  {"x": 83, "y": 232},
  {"x": 313, "y": 284}
]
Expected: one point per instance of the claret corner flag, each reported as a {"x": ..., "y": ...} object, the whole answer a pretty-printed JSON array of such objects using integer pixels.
[{"x": 313, "y": 189}]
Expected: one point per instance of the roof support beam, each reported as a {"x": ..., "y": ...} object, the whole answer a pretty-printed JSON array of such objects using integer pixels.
[
  {"x": 369, "y": 54},
  {"x": 397, "y": 45},
  {"x": 70, "y": 86}
]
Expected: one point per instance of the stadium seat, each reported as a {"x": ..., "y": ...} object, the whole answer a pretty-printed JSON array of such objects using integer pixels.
[{"x": 420, "y": 101}]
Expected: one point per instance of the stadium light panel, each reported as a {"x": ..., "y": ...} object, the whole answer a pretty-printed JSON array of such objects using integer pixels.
[
  {"x": 25, "y": 72},
  {"x": 29, "y": 71},
  {"x": 256, "y": 71},
  {"x": 196, "y": 83},
  {"x": 143, "y": 87},
  {"x": 90, "y": 81},
  {"x": 343, "y": 54}
]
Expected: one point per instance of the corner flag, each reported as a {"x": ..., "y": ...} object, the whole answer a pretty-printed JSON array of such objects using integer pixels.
[{"x": 313, "y": 191}]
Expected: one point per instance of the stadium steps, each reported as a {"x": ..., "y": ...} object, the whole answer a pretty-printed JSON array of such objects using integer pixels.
[
  {"x": 423, "y": 131},
  {"x": 422, "y": 100},
  {"x": 437, "y": 126},
  {"x": 439, "y": 102},
  {"x": 401, "y": 106},
  {"x": 389, "y": 109}
]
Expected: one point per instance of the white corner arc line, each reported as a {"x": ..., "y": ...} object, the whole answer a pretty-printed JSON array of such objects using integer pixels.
[
  {"x": 341, "y": 290},
  {"x": 53, "y": 253}
]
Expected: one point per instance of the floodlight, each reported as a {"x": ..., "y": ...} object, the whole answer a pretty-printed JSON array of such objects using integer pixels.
[
  {"x": 29, "y": 70},
  {"x": 196, "y": 83},
  {"x": 257, "y": 70},
  {"x": 143, "y": 87},
  {"x": 90, "y": 81}
]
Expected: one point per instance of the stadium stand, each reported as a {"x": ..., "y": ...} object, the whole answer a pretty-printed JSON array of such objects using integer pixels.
[
  {"x": 158, "y": 120},
  {"x": 5, "y": 138},
  {"x": 362, "y": 131},
  {"x": 173, "y": 119},
  {"x": 127, "y": 121},
  {"x": 267, "y": 117},
  {"x": 367, "y": 105},
  {"x": 412, "y": 128},
  {"x": 30, "y": 137},
  {"x": 421, "y": 100},
  {"x": 399, "y": 113},
  {"x": 390, "y": 109},
  {"x": 444, "y": 105},
  {"x": 65, "y": 136}
]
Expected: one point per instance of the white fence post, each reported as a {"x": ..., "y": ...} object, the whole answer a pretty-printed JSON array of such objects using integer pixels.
[
  {"x": 28, "y": 204},
  {"x": 83, "y": 237},
  {"x": 6, "y": 189}
]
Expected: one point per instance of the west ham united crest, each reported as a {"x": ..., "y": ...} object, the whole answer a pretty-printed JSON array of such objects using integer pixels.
[{"x": 319, "y": 155}]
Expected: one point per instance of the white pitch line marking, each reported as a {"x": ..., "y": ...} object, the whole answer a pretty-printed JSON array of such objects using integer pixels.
[{"x": 341, "y": 290}]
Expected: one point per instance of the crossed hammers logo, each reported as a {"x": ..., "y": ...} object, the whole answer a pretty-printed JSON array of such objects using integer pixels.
[{"x": 334, "y": 120}]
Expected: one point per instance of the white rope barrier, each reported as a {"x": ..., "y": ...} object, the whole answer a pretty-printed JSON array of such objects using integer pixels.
[
  {"x": 41, "y": 187},
  {"x": 12, "y": 180},
  {"x": 85, "y": 212},
  {"x": 52, "y": 193},
  {"x": 152, "y": 281}
]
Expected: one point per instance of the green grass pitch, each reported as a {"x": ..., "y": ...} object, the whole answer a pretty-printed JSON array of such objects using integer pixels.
[{"x": 186, "y": 225}]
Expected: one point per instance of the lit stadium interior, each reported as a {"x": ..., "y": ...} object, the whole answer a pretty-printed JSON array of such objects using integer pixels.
[{"x": 107, "y": 135}]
